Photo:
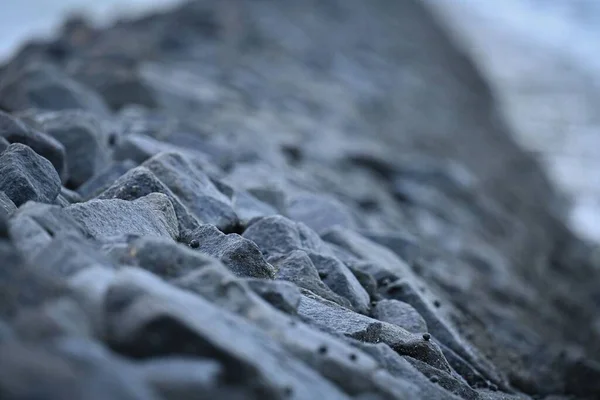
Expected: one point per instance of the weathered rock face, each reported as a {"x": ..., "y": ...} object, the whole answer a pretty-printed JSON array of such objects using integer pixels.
[{"x": 282, "y": 200}]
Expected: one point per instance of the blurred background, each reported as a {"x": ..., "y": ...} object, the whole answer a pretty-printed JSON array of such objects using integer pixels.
[{"x": 540, "y": 56}]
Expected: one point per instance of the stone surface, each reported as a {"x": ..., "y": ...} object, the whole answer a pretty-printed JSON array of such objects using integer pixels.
[
  {"x": 106, "y": 177},
  {"x": 151, "y": 215},
  {"x": 401, "y": 314},
  {"x": 25, "y": 175}
]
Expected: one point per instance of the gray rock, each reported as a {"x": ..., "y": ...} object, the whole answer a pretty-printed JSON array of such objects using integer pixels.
[
  {"x": 279, "y": 236},
  {"x": 297, "y": 267},
  {"x": 149, "y": 215},
  {"x": 248, "y": 207},
  {"x": 80, "y": 370},
  {"x": 3, "y": 143},
  {"x": 162, "y": 257},
  {"x": 148, "y": 318},
  {"x": 341, "y": 280},
  {"x": 29, "y": 237},
  {"x": 583, "y": 377},
  {"x": 338, "y": 320},
  {"x": 238, "y": 254},
  {"x": 401, "y": 314},
  {"x": 141, "y": 182},
  {"x": 53, "y": 219},
  {"x": 84, "y": 138},
  {"x": 261, "y": 181},
  {"x": 280, "y": 294},
  {"x": 16, "y": 131},
  {"x": 351, "y": 370},
  {"x": 187, "y": 378},
  {"x": 22, "y": 285},
  {"x": 25, "y": 175},
  {"x": 104, "y": 179},
  {"x": 194, "y": 188},
  {"x": 43, "y": 86},
  {"x": 7, "y": 207},
  {"x": 446, "y": 380},
  {"x": 319, "y": 212},
  {"x": 70, "y": 196}
]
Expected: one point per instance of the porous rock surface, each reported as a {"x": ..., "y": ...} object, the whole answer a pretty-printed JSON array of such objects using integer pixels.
[{"x": 279, "y": 200}]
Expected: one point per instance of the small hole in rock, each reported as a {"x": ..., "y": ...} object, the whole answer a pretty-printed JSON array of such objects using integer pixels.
[
  {"x": 434, "y": 379},
  {"x": 194, "y": 243},
  {"x": 112, "y": 139},
  {"x": 322, "y": 350},
  {"x": 426, "y": 337},
  {"x": 288, "y": 391},
  {"x": 353, "y": 357},
  {"x": 437, "y": 303}
]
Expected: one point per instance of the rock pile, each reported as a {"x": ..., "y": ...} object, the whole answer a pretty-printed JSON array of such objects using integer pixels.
[{"x": 278, "y": 200}]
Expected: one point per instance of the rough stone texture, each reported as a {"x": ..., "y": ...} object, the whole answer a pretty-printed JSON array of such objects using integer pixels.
[
  {"x": 16, "y": 131},
  {"x": 151, "y": 215},
  {"x": 25, "y": 175},
  {"x": 322, "y": 202}
]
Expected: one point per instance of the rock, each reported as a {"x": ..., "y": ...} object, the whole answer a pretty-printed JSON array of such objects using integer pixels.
[
  {"x": 24, "y": 176},
  {"x": 401, "y": 314},
  {"x": 116, "y": 80},
  {"x": 70, "y": 196},
  {"x": 16, "y": 131},
  {"x": 29, "y": 237},
  {"x": 54, "y": 220},
  {"x": 149, "y": 215},
  {"x": 104, "y": 179},
  {"x": 248, "y": 207},
  {"x": 141, "y": 182},
  {"x": 352, "y": 371},
  {"x": 194, "y": 189},
  {"x": 84, "y": 138},
  {"x": 582, "y": 378},
  {"x": 282, "y": 295},
  {"x": 261, "y": 182},
  {"x": 80, "y": 370},
  {"x": 278, "y": 236},
  {"x": 3, "y": 144},
  {"x": 335, "y": 319},
  {"x": 238, "y": 254},
  {"x": 41, "y": 85},
  {"x": 341, "y": 280},
  {"x": 445, "y": 380},
  {"x": 187, "y": 378},
  {"x": 297, "y": 267},
  {"x": 162, "y": 257},
  {"x": 7, "y": 207},
  {"x": 150, "y": 318},
  {"x": 319, "y": 212},
  {"x": 23, "y": 286}
]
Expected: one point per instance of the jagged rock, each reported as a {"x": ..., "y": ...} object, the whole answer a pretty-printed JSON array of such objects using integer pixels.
[
  {"x": 319, "y": 212},
  {"x": 84, "y": 139},
  {"x": 178, "y": 322},
  {"x": 149, "y": 215},
  {"x": 282, "y": 295},
  {"x": 238, "y": 254},
  {"x": 7, "y": 207},
  {"x": 297, "y": 267},
  {"x": 335, "y": 319},
  {"x": 141, "y": 182},
  {"x": 80, "y": 370},
  {"x": 248, "y": 207},
  {"x": 25, "y": 175},
  {"x": 104, "y": 179},
  {"x": 42, "y": 85},
  {"x": 401, "y": 314},
  {"x": 70, "y": 196},
  {"x": 194, "y": 189},
  {"x": 16, "y": 131}
]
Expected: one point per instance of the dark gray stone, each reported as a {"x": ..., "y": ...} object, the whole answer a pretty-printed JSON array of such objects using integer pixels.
[
  {"x": 104, "y": 179},
  {"x": 25, "y": 175},
  {"x": 194, "y": 188},
  {"x": 297, "y": 267},
  {"x": 187, "y": 378},
  {"x": 445, "y": 380},
  {"x": 174, "y": 321},
  {"x": 282, "y": 295},
  {"x": 43, "y": 86},
  {"x": 16, "y": 131},
  {"x": 151, "y": 215},
  {"x": 28, "y": 236},
  {"x": 22, "y": 285},
  {"x": 351, "y": 370},
  {"x": 70, "y": 196},
  {"x": 335, "y": 319},
  {"x": 401, "y": 314},
  {"x": 319, "y": 212},
  {"x": 261, "y": 181},
  {"x": 248, "y": 207},
  {"x": 80, "y": 370},
  {"x": 238, "y": 254},
  {"x": 583, "y": 377},
  {"x": 162, "y": 257},
  {"x": 141, "y": 182},
  {"x": 85, "y": 140},
  {"x": 7, "y": 207}
]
